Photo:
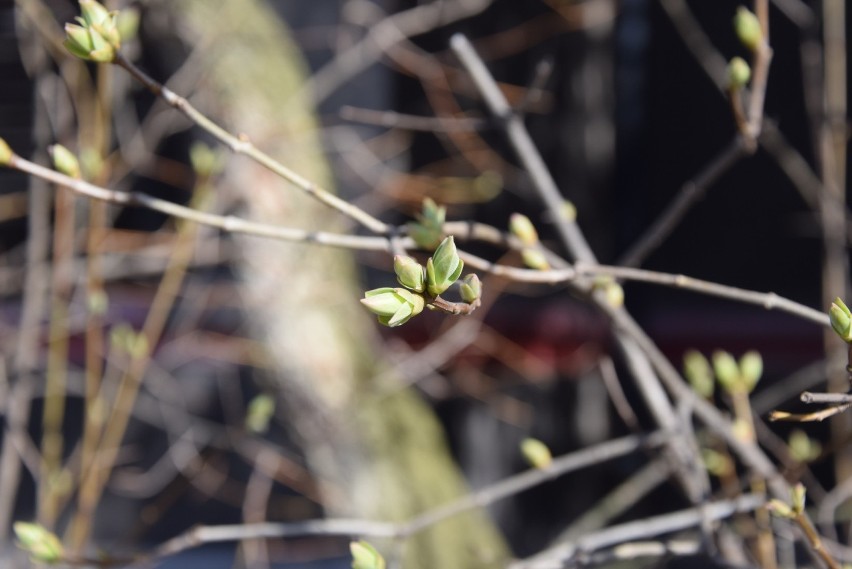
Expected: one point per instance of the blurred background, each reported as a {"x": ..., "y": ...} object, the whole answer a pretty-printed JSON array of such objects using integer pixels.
[{"x": 189, "y": 326}]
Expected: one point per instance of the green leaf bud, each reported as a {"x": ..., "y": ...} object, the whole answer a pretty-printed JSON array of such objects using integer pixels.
[
  {"x": 614, "y": 294},
  {"x": 127, "y": 24},
  {"x": 443, "y": 268},
  {"x": 393, "y": 306},
  {"x": 751, "y": 369},
  {"x": 471, "y": 288},
  {"x": 841, "y": 320},
  {"x": 93, "y": 12},
  {"x": 98, "y": 302},
  {"x": 409, "y": 273},
  {"x": 521, "y": 227},
  {"x": 260, "y": 411},
  {"x": 739, "y": 73},
  {"x": 96, "y": 17},
  {"x": 42, "y": 545},
  {"x": 534, "y": 259},
  {"x": 88, "y": 44},
  {"x": 536, "y": 453},
  {"x": 716, "y": 463},
  {"x": 428, "y": 229},
  {"x": 727, "y": 370},
  {"x": 64, "y": 161},
  {"x": 365, "y": 556},
  {"x": 747, "y": 27},
  {"x": 568, "y": 211},
  {"x": 697, "y": 370},
  {"x": 205, "y": 160},
  {"x": 5, "y": 153},
  {"x": 802, "y": 448}
]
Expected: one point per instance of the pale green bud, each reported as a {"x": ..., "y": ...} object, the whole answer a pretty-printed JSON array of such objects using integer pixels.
[
  {"x": 409, "y": 273},
  {"x": 739, "y": 73},
  {"x": 470, "y": 288},
  {"x": 127, "y": 23},
  {"x": 443, "y": 268},
  {"x": 751, "y": 369},
  {"x": 747, "y": 27},
  {"x": 88, "y": 44},
  {"x": 726, "y": 368},
  {"x": 365, "y": 556},
  {"x": 260, "y": 411},
  {"x": 205, "y": 160},
  {"x": 98, "y": 302},
  {"x": 393, "y": 306},
  {"x": 5, "y": 153},
  {"x": 42, "y": 545},
  {"x": 841, "y": 320},
  {"x": 93, "y": 12},
  {"x": 536, "y": 453},
  {"x": 521, "y": 227},
  {"x": 802, "y": 447},
  {"x": 568, "y": 211},
  {"x": 697, "y": 370},
  {"x": 614, "y": 294},
  {"x": 98, "y": 18},
  {"x": 534, "y": 259},
  {"x": 427, "y": 230},
  {"x": 64, "y": 161},
  {"x": 716, "y": 463}
]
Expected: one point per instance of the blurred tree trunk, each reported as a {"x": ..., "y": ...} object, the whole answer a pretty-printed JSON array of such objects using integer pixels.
[{"x": 376, "y": 457}]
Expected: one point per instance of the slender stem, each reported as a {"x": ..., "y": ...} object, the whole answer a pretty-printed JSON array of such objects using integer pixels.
[{"x": 241, "y": 145}]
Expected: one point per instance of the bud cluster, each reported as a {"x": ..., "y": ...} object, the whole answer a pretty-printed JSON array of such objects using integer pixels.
[
  {"x": 95, "y": 37},
  {"x": 732, "y": 375},
  {"x": 396, "y": 306},
  {"x": 428, "y": 229}
]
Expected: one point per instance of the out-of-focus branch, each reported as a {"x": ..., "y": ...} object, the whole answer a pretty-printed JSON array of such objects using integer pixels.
[{"x": 241, "y": 145}]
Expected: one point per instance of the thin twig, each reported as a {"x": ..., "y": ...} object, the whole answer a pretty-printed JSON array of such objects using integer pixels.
[
  {"x": 688, "y": 195},
  {"x": 462, "y": 230},
  {"x": 241, "y": 145},
  {"x": 562, "y": 555},
  {"x": 523, "y": 146}
]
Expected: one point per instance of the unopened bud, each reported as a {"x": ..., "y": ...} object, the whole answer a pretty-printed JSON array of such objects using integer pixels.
[
  {"x": 409, "y": 273},
  {"x": 747, "y": 27},
  {"x": 841, "y": 320},
  {"x": 536, "y": 453},
  {"x": 522, "y": 228},
  {"x": 470, "y": 288},
  {"x": 64, "y": 161},
  {"x": 739, "y": 73}
]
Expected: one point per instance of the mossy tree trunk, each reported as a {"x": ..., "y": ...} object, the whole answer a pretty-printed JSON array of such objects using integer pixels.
[{"x": 382, "y": 457}]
